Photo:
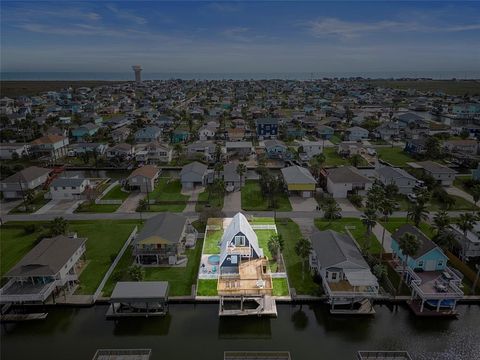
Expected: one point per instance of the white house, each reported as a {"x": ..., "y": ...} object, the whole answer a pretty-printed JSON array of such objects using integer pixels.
[
  {"x": 356, "y": 133},
  {"x": 10, "y": 151},
  {"x": 308, "y": 149},
  {"x": 68, "y": 188},
  {"x": 346, "y": 180},
  {"x": 399, "y": 177}
]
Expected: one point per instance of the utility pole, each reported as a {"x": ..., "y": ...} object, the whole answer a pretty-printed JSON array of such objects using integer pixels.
[{"x": 23, "y": 195}]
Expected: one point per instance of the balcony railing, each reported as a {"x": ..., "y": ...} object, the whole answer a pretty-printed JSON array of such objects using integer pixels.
[
  {"x": 16, "y": 295},
  {"x": 452, "y": 286}
]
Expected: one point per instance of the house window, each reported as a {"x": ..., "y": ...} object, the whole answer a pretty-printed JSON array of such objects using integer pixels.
[
  {"x": 334, "y": 276},
  {"x": 440, "y": 263},
  {"x": 420, "y": 263},
  {"x": 240, "y": 240}
]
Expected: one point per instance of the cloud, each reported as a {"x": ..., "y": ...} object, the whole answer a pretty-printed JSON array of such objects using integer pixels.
[
  {"x": 349, "y": 29},
  {"x": 80, "y": 30},
  {"x": 224, "y": 7},
  {"x": 126, "y": 15}
]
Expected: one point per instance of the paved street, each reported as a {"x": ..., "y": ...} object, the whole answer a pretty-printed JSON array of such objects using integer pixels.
[{"x": 232, "y": 202}]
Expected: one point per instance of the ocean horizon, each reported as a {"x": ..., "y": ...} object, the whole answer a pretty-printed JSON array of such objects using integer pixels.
[{"x": 127, "y": 76}]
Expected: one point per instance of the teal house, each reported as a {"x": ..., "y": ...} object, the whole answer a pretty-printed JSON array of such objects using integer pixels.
[
  {"x": 179, "y": 136},
  {"x": 428, "y": 258},
  {"x": 82, "y": 131},
  {"x": 295, "y": 132}
]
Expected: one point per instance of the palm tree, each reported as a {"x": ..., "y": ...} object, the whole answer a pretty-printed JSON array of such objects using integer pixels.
[
  {"x": 409, "y": 245},
  {"x": 476, "y": 193},
  {"x": 441, "y": 220},
  {"x": 241, "y": 170},
  {"x": 316, "y": 164},
  {"x": 417, "y": 212},
  {"x": 386, "y": 207},
  {"x": 369, "y": 219},
  {"x": 375, "y": 196},
  {"x": 58, "y": 226},
  {"x": 275, "y": 245},
  {"x": 331, "y": 210},
  {"x": 466, "y": 222},
  {"x": 355, "y": 160},
  {"x": 218, "y": 167},
  {"x": 303, "y": 247},
  {"x": 178, "y": 150},
  {"x": 446, "y": 240}
]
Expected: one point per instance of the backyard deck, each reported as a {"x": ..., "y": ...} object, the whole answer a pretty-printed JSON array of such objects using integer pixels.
[{"x": 251, "y": 280}]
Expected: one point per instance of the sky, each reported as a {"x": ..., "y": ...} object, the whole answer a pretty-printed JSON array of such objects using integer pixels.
[{"x": 239, "y": 37}]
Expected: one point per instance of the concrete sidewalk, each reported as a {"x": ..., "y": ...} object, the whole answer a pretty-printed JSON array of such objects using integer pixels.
[
  {"x": 192, "y": 199},
  {"x": 453, "y": 190},
  {"x": 387, "y": 242}
]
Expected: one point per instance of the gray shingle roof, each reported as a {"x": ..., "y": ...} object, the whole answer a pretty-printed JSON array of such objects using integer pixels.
[
  {"x": 426, "y": 243},
  {"x": 434, "y": 167},
  {"x": 27, "y": 175},
  {"x": 297, "y": 175},
  {"x": 48, "y": 257},
  {"x": 167, "y": 227},
  {"x": 195, "y": 167},
  {"x": 346, "y": 174},
  {"x": 67, "y": 182},
  {"x": 335, "y": 249},
  {"x": 394, "y": 173}
]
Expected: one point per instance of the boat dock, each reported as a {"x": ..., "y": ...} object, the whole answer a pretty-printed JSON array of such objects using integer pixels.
[
  {"x": 239, "y": 306},
  {"x": 366, "y": 308},
  {"x": 5, "y": 318}
]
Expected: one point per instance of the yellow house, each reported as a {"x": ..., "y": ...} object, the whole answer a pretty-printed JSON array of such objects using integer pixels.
[{"x": 299, "y": 180}]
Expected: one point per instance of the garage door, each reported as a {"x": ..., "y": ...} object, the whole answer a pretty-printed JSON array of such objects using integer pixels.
[{"x": 431, "y": 265}]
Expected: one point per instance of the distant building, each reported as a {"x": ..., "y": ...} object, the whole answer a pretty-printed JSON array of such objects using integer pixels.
[{"x": 137, "y": 69}]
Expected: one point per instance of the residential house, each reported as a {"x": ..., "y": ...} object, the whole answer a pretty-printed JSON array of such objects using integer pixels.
[
  {"x": 207, "y": 133},
  {"x": 416, "y": 146},
  {"x": 236, "y": 134},
  {"x": 121, "y": 151},
  {"x": 396, "y": 176},
  {"x": 441, "y": 173},
  {"x": 154, "y": 152},
  {"x": 148, "y": 134},
  {"x": 53, "y": 146},
  {"x": 466, "y": 147},
  {"x": 51, "y": 266},
  {"x": 120, "y": 134},
  {"x": 53, "y": 130},
  {"x": 325, "y": 132},
  {"x": 201, "y": 150},
  {"x": 346, "y": 180},
  {"x": 163, "y": 240},
  {"x": 308, "y": 149},
  {"x": 267, "y": 128},
  {"x": 346, "y": 276},
  {"x": 238, "y": 148},
  {"x": 9, "y": 151},
  {"x": 194, "y": 174},
  {"x": 68, "y": 188},
  {"x": 387, "y": 131},
  {"x": 231, "y": 178},
  {"x": 408, "y": 119},
  {"x": 276, "y": 149},
  {"x": 434, "y": 285},
  {"x": 30, "y": 178},
  {"x": 143, "y": 178},
  {"x": 243, "y": 266},
  {"x": 179, "y": 136},
  {"x": 299, "y": 181},
  {"x": 77, "y": 149},
  {"x": 295, "y": 132},
  {"x": 350, "y": 148},
  {"x": 356, "y": 133},
  {"x": 469, "y": 241},
  {"x": 85, "y": 130}
]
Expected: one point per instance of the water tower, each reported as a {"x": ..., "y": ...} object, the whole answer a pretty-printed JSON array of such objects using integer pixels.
[{"x": 138, "y": 73}]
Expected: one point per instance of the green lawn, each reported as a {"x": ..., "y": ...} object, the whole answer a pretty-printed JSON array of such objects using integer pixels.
[
  {"x": 394, "y": 223},
  {"x": 253, "y": 200},
  {"x": 356, "y": 228},
  {"x": 105, "y": 239},
  {"x": 215, "y": 201},
  {"x": 335, "y": 139},
  {"x": 116, "y": 193},
  {"x": 91, "y": 207},
  {"x": 180, "y": 279},
  {"x": 263, "y": 238},
  {"x": 280, "y": 287},
  {"x": 302, "y": 282},
  {"x": 38, "y": 202},
  {"x": 394, "y": 156},
  {"x": 168, "y": 190},
  {"x": 212, "y": 240},
  {"x": 262, "y": 221},
  {"x": 333, "y": 159},
  {"x": 460, "y": 182},
  {"x": 207, "y": 287},
  {"x": 460, "y": 204},
  {"x": 166, "y": 207}
]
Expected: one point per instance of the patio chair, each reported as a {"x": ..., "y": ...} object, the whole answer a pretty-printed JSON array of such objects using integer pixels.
[{"x": 214, "y": 269}]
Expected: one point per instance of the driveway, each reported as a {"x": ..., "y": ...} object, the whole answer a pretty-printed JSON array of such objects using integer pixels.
[
  {"x": 307, "y": 226},
  {"x": 303, "y": 204},
  {"x": 346, "y": 205},
  {"x": 6, "y": 206},
  {"x": 59, "y": 207},
  {"x": 453, "y": 190},
  {"x": 232, "y": 202},
  {"x": 131, "y": 203},
  {"x": 192, "y": 200}
]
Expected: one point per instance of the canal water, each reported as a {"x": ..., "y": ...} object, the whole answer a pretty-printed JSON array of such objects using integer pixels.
[{"x": 195, "y": 332}]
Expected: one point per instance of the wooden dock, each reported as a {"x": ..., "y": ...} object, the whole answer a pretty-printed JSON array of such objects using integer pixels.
[
  {"x": 4, "y": 318},
  {"x": 366, "y": 308},
  {"x": 266, "y": 307},
  {"x": 416, "y": 307}
]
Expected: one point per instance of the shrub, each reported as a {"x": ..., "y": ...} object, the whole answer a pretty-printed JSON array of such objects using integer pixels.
[
  {"x": 356, "y": 200},
  {"x": 30, "y": 228}
]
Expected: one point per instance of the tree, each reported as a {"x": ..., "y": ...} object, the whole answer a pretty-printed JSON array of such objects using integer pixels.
[
  {"x": 218, "y": 153},
  {"x": 409, "y": 245},
  {"x": 29, "y": 197},
  {"x": 218, "y": 167},
  {"x": 303, "y": 247},
  {"x": 331, "y": 210},
  {"x": 375, "y": 196},
  {"x": 446, "y": 240},
  {"x": 178, "y": 151},
  {"x": 316, "y": 164},
  {"x": 441, "y": 220},
  {"x": 369, "y": 219},
  {"x": 241, "y": 170},
  {"x": 476, "y": 193},
  {"x": 136, "y": 273},
  {"x": 355, "y": 160},
  {"x": 58, "y": 226},
  {"x": 432, "y": 147},
  {"x": 391, "y": 191},
  {"x": 417, "y": 212},
  {"x": 143, "y": 204},
  {"x": 275, "y": 245},
  {"x": 466, "y": 222}
]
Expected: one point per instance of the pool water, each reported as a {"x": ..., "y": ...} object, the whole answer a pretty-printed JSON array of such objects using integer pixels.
[{"x": 214, "y": 259}]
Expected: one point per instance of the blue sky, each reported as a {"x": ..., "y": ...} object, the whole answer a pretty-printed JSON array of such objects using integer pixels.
[{"x": 227, "y": 36}]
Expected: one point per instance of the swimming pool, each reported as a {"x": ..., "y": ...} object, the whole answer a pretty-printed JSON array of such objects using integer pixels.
[{"x": 214, "y": 259}]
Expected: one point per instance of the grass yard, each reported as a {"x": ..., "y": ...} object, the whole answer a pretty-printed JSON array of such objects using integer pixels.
[
  {"x": 253, "y": 200},
  {"x": 207, "y": 287},
  {"x": 302, "y": 282},
  {"x": 394, "y": 156},
  {"x": 166, "y": 207},
  {"x": 212, "y": 239},
  {"x": 335, "y": 139},
  {"x": 116, "y": 193},
  {"x": 280, "y": 287},
  {"x": 460, "y": 182},
  {"x": 215, "y": 201},
  {"x": 263, "y": 238},
  {"x": 356, "y": 228},
  {"x": 394, "y": 223},
  {"x": 451, "y": 87},
  {"x": 333, "y": 159},
  {"x": 460, "y": 204},
  {"x": 262, "y": 221},
  {"x": 38, "y": 202},
  {"x": 91, "y": 207},
  {"x": 168, "y": 190},
  {"x": 105, "y": 239}
]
